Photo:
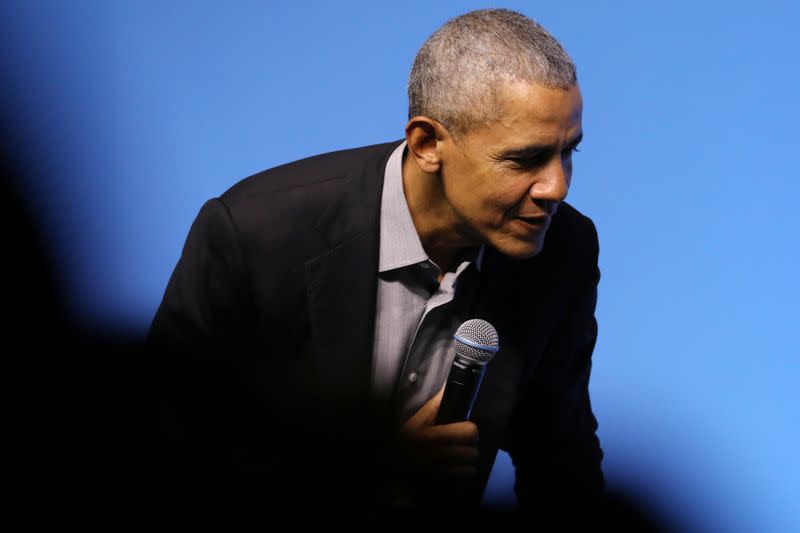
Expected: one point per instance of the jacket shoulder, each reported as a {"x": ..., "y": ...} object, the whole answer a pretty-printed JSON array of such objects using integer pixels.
[
  {"x": 309, "y": 171},
  {"x": 570, "y": 226},
  {"x": 571, "y": 241},
  {"x": 285, "y": 204}
]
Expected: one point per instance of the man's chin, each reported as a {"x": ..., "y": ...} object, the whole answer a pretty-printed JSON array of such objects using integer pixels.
[{"x": 519, "y": 249}]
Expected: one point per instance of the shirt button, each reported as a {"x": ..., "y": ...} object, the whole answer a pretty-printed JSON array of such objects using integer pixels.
[
  {"x": 412, "y": 377},
  {"x": 426, "y": 265}
]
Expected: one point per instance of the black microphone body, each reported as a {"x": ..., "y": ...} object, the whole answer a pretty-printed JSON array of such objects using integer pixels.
[
  {"x": 475, "y": 344},
  {"x": 460, "y": 392}
]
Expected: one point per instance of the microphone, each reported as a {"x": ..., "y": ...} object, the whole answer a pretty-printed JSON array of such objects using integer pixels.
[{"x": 476, "y": 343}]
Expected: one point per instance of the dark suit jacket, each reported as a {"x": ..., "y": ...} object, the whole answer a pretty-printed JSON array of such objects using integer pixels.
[{"x": 278, "y": 280}]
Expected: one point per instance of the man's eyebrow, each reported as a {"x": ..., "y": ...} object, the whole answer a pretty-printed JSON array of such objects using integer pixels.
[{"x": 537, "y": 149}]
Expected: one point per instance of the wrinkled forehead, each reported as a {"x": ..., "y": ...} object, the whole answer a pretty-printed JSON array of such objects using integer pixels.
[
  {"x": 529, "y": 113},
  {"x": 540, "y": 104}
]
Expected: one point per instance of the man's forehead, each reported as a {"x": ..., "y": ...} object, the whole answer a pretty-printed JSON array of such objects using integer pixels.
[
  {"x": 534, "y": 118},
  {"x": 539, "y": 103}
]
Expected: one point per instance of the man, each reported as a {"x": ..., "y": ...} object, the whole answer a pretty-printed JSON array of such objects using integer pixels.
[{"x": 331, "y": 287}]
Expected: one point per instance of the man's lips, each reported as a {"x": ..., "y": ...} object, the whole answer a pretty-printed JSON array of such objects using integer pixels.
[{"x": 535, "y": 219}]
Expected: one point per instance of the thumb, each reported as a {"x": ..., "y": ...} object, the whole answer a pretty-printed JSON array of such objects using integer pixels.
[{"x": 426, "y": 416}]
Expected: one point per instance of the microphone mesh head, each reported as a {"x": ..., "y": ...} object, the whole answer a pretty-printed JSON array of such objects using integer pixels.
[{"x": 476, "y": 340}]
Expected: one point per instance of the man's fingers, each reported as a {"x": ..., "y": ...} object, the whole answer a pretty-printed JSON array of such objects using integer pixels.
[
  {"x": 460, "y": 471},
  {"x": 426, "y": 416},
  {"x": 455, "y": 454},
  {"x": 457, "y": 433},
  {"x": 444, "y": 457}
]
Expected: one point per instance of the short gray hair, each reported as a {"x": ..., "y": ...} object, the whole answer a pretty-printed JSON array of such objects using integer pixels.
[{"x": 459, "y": 68}]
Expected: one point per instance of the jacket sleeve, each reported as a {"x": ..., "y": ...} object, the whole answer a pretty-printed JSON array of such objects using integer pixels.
[
  {"x": 203, "y": 301},
  {"x": 553, "y": 446}
]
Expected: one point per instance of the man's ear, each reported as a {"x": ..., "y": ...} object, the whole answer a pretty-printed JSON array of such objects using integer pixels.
[{"x": 423, "y": 137}]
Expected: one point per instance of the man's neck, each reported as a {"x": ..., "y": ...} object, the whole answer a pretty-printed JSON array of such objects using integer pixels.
[{"x": 434, "y": 219}]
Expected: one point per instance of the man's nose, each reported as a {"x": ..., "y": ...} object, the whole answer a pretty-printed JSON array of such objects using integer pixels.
[{"x": 552, "y": 185}]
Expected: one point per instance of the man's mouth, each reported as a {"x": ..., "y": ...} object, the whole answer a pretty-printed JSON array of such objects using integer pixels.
[{"x": 540, "y": 220}]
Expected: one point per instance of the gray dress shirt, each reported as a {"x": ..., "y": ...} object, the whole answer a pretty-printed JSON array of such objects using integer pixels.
[{"x": 416, "y": 316}]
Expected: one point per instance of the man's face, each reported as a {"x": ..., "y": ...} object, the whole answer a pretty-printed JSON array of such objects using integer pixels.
[{"x": 505, "y": 179}]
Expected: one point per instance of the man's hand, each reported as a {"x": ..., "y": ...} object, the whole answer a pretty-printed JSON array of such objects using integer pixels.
[{"x": 443, "y": 452}]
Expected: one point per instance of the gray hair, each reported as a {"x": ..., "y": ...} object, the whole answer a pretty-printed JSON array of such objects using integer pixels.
[{"x": 458, "y": 70}]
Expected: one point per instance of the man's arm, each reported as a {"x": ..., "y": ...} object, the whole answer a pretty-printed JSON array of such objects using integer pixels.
[{"x": 202, "y": 301}]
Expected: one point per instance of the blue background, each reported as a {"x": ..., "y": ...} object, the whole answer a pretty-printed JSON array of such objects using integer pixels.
[{"x": 135, "y": 113}]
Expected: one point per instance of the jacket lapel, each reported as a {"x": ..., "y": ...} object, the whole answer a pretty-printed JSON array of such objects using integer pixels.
[
  {"x": 341, "y": 300},
  {"x": 342, "y": 281}
]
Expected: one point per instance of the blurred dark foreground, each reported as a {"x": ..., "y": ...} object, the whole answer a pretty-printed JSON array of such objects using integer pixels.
[
  {"x": 109, "y": 434},
  {"x": 129, "y": 439}
]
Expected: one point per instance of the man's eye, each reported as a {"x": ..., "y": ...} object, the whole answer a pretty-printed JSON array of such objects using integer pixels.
[
  {"x": 568, "y": 151},
  {"x": 529, "y": 162}
]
